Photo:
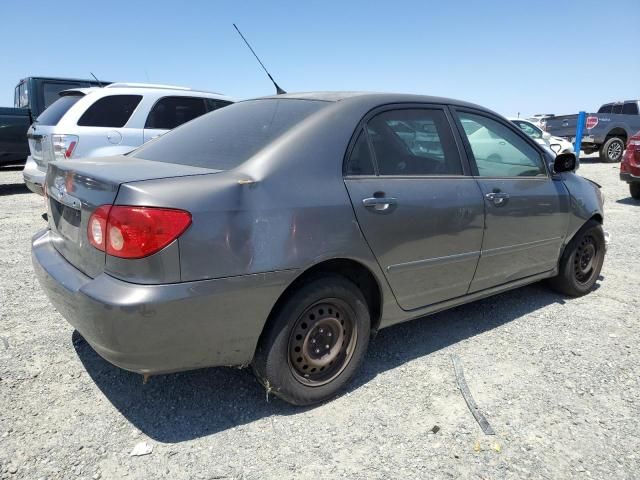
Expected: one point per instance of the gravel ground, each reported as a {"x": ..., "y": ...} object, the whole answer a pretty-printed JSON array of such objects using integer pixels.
[{"x": 558, "y": 379}]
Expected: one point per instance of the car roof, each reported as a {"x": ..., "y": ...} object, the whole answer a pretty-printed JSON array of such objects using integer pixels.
[
  {"x": 145, "y": 89},
  {"x": 373, "y": 97}
]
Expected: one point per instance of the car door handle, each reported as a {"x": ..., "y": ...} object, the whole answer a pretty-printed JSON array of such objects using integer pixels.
[
  {"x": 380, "y": 204},
  {"x": 498, "y": 198}
]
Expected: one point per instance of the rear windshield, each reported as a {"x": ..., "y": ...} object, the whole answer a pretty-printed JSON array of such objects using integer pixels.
[
  {"x": 224, "y": 139},
  {"x": 53, "y": 114}
]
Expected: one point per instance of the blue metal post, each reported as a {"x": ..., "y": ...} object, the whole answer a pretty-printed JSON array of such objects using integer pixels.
[{"x": 579, "y": 131}]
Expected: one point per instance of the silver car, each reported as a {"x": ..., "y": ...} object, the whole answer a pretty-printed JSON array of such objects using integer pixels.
[{"x": 284, "y": 232}]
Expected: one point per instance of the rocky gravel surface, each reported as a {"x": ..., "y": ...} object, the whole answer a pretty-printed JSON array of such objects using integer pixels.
[{"x": 557, "y": 378}]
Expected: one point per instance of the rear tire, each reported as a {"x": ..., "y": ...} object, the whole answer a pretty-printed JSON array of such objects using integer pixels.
[
  {"x": 315, "y": 341},
  {"x": 634, "y": 189},
  {"x": 581, "y": 261},
  {"x": 611, "y": 151}
]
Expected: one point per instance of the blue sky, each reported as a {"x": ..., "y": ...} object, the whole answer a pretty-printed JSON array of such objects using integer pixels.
[{"x": 530, "y": 57}]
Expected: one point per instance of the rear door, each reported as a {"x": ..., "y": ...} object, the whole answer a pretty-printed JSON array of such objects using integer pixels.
[
  {"x": 526, "y": 210},
  {"x": 420, "y": 211},
  {"x": 169, "y": 112}
]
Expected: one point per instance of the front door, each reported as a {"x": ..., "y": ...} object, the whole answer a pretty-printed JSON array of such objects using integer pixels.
[
  {"x": 526, "y": 210},
  {"x": 420, "y": 213}
]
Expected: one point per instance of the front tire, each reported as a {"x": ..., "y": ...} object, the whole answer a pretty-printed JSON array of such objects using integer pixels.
[
  {"x": 314, "y": 342},
  {"x": 581, "y": 261},
  {"x": 611, "y": 151},
  {"x": 634, "y": 190}
]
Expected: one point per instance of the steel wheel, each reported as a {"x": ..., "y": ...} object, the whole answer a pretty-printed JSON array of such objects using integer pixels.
[
  {"x": 614, "y": 152},
  {"x": 585, "y": 260},
  {"x": 322, "y": 342}
]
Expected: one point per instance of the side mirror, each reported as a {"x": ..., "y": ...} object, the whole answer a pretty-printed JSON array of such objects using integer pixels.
[
  {"x": 564, "y": 162},
  {"x": 546, "y": 135}
]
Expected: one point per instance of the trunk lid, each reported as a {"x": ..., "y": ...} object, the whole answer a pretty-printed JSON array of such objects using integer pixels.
[{"x": 76, "y": 188}]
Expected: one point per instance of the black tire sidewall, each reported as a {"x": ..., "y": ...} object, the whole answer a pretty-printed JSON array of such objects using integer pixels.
[
  {"x": 271, "y": 364},
  {"x": 634, "y": 190},
  {"x": 566, "y": 280}
]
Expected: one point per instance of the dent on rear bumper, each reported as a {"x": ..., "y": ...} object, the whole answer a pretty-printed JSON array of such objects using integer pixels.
[{"x": 161, "y": 328}]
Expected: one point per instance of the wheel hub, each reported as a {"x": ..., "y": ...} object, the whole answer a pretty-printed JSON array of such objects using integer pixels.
[
  {"x": 322, "y": 342},
  {"x": 585, "y": 260},
  {"x": 614, "y": 151}
]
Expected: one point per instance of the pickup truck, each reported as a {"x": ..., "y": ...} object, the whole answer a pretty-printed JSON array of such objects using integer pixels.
[
  {"x": 31, "y": 97},
  {"x": 606, "y": 131}
]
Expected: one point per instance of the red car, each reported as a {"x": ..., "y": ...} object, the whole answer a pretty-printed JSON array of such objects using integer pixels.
[{"x": 630, "y": 166}]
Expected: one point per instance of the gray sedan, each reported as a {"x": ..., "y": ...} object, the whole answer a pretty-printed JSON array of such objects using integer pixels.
[{"x": 283, "y": 232}]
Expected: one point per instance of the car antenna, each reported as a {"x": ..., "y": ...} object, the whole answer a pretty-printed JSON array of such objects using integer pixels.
[
  {"x": 99, "y": 83},
  {"x": 279, "y": 91}
]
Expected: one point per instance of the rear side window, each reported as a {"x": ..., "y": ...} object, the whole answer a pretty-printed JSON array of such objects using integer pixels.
[
  {"x": 52, "y": 115},
  {"x": 113, "y": 111},
  {"x": 169, "y": 112},
  {"x": 630, "y": 108},
  {"x": 360, "y": 161},
  {"x": 414, "y": 142},
  {"x": 224, "y": 139}
]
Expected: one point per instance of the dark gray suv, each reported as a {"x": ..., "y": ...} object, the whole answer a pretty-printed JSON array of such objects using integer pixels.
[{"x": 283, "y": 232}]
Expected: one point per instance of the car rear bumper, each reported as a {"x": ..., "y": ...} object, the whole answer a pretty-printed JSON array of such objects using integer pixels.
[
  {"x": 155, "y": 329},
  {"x": 629, "y": 177},
  {"x": 33, "y": 176}
]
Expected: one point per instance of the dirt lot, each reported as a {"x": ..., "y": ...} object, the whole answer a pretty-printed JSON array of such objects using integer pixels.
[{"x": 557, "y": 378}]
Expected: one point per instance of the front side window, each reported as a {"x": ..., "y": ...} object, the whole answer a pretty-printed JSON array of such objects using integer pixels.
[
  {"x": 498, "y": 151},
  {"x": 113, "y": 111},
  {"x": 414, "y": 142},
  {"x": 529, "y": 129},
  {"x": 214, "y": 104},
  {"x": 605, "y": 108},
  {"x": 617, "y": 108},
  {"x": 169, "y": 112}
]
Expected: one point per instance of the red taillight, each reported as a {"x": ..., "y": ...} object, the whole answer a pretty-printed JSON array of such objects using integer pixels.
[
  {"x": 135, "y": 232},
  {"x": 97, "y": 227},
  {"x": 591, "y": 122}
]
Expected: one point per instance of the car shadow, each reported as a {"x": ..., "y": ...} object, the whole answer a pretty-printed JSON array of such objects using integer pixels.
[
  {"x": 628, "y": 201},
  {"x": 13, "y": 189},
  {"x": 12, "y": 168},
  {"x": 183, "y": 406}
]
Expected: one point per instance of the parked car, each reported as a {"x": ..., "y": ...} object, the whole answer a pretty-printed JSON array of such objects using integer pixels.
[
  {"x": 31, "y": 97},
  {"x": 556, "y": 144},
  {"x": 630, "y": 166},
  {"x": 606, "y": 131},
  {"x": 539, "y": 119},
  {"x": 93, "y": 122},
  {"x": 283, "y": 232}
]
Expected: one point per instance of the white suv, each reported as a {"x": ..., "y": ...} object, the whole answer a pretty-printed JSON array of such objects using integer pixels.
[{"x": 96, "y": 122}]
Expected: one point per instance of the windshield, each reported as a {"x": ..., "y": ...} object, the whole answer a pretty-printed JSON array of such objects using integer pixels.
[
  {"x": 227, "y": 137},
  {"x": 52, "y": 115}
]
